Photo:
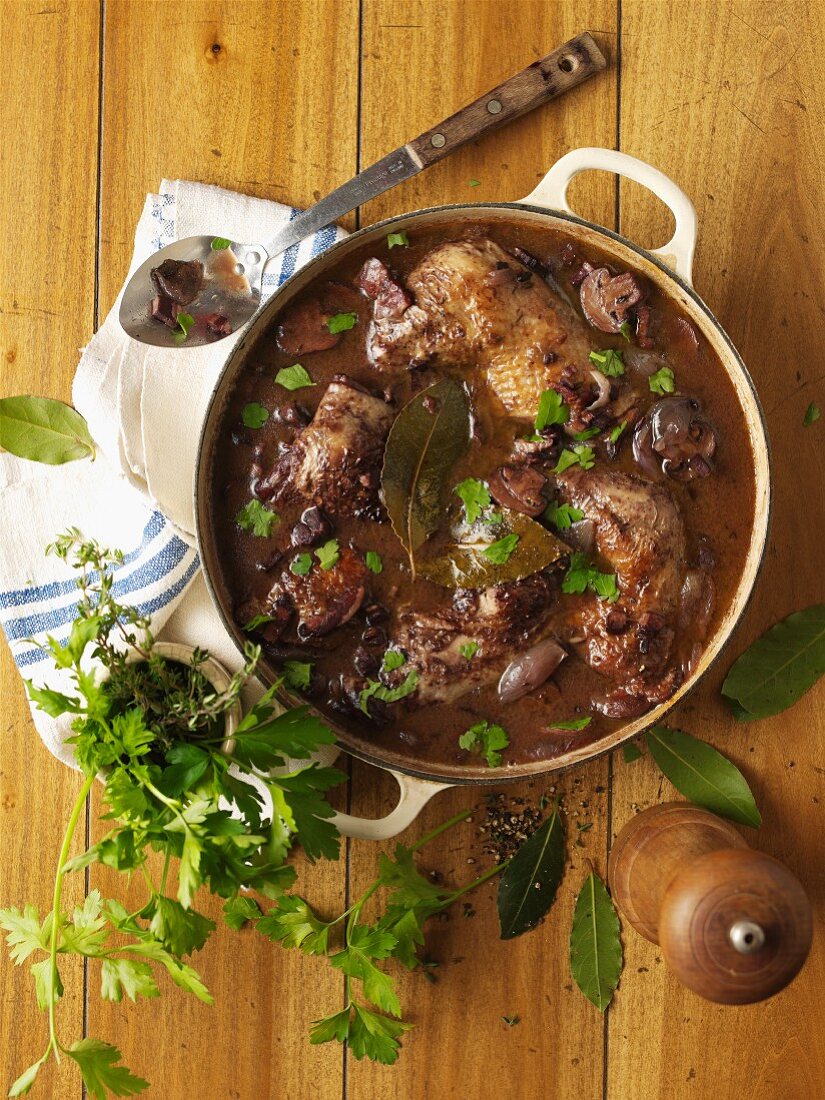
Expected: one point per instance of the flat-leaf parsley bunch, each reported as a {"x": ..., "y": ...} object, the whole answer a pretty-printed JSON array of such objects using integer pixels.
[{"x": 153, "y": 730}]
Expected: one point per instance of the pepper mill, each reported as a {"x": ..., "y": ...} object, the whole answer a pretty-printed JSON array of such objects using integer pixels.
[{"x": 734, "y": 924}]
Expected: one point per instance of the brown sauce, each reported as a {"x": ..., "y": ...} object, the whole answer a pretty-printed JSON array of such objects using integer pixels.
[{"x": 717, "y": 511}]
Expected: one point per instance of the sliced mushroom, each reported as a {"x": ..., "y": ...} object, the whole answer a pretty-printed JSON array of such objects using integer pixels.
[
  {"x": 606, "y": 299},
  {"x": 520, "y": 488},
  {"x": 530, "y": 670},
  {"x": 179, "y": 280},
  {"x": 677, "y": 438}
]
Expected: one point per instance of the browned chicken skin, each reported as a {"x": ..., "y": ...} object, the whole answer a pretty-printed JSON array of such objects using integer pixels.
[
  {"x": 323, "y": 599},
  {"x": 335, "y": 462},
  {"x": 477, "y": 306},
  {"x": 639, "y": 534}
]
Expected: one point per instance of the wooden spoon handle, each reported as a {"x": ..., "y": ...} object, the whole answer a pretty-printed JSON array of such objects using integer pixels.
[{"x": 564, "y": 68}]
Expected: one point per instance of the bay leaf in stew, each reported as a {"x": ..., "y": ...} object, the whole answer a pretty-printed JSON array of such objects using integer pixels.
[
  {"x": 428, "y": 437},
  {"x": 463, "y": 562}
]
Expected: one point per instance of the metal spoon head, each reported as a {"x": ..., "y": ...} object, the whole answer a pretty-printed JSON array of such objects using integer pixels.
[{"x": 231, "y": 290}]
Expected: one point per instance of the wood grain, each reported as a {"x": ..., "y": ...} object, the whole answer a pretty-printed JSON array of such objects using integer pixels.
[
  {"x": 736, "y": 118},
  {"x": 48, "y": 183},
  {"x": 461, "y": 1046}
]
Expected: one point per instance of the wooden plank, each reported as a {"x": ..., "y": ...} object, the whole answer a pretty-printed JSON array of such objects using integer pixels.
[
  {"x": 48, "y": 116},
  {"x": 461, "y": 1046},
  {"x": 251, "y": 97},
  {"x": 728, "y": 117}
]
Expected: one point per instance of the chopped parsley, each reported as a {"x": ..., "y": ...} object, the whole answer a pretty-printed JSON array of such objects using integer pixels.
[
  {"x": 294, "y": 377},
  {"x": 297, "y": 674},
  {"x": 393, "y": 659},
  {"x": 374, "y": 562},
  {"x": 255, "y": 518},
  {"x": 341, "y": 322},
  {"x": 474, "y": 183},
  {"x": 609, "y": 362},
  {"x": 511, "y": 1021},
  {"x": 258, "y": 620},
  {"x": 377, "y": 690},
  {"x": 581, "y": 575},
  {"x": 328, "y": 554},
  {"x": 663, "y": 381},
  {"x": 475, "y": 497},
  {"x": 572, "y": 723},
  {"x": 468, "y": 650},
  {"x": 617, "y": 431},
  {"x": 486, "y": 739},
  {"x": 562, "y": 516},
  {"x": 626, "y": 331},
  {"x": 575, "y": 456},
  {"x": 397, "y": 240},
  {"x": 552, "y": 410},
  {"x": 254, "y": 415},
  {"x": 812, "y": 414},
  {"x": 220, "y": 243},
  {"x": 185, "y": 322},
  {"x": 499, "y": 552},
  {"x": 301, "y": 565},
  {"x": 588, "y": 433}
]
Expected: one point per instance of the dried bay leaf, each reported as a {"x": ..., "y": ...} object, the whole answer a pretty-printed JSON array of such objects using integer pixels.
[
  {"x": 529, "y": 884},
  {"x": 462, "y": 563},
  {"x": 427, "y": 438},
  {"x": 44, "y": 430},
  {"x": 595, "y": 946}
]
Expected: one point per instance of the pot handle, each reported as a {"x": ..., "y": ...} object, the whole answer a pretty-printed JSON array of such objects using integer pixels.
[
  {"x": 552, "y": 193},
  {"x": 414, "y": 794}
]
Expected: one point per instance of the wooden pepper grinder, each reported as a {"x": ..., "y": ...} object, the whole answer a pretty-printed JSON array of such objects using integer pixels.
[{"x": 734, "y": 924}]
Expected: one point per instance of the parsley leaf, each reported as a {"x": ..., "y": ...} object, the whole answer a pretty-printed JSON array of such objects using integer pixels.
[
  {"x": 552, "y": 410},
  {"x": 257, "y": 519},
  {"x": 119, "y": 976},
  {"x": 220, "y": 243},
  {"x": 576, "y": 456},
  {"x": 295, "y": 377},
  {"x": 588, "y": 433},
  {"x": 254, "y": 415},
  {"x": 341, "y": 322},
  {"x": 308, "y": 809},
  {"x": 609, "y": 362},
  {"x": 572, "y": 723},
  {"x": 581, "y": 575},
  {"x": 328, "y": 555},
  {"x": 393, "y": 659},
  {"x": 374, "y": 562},
  {"x": 663, "y": 381},
  {"x": 468, "y": 650},
  {"x": 473, "y": 183},
  {"x": 258, "y": 620},
  {"x": 239, "y": 910},
  {"x": 301, "y": 565},
  {"x": 626, "y": 330},
  {"x": 397, "y": 239},
  {"x": 499, "y": 551},
  {"x": 294, "y": 924},
  {"x": 374, "y": 1036},
  {"x": 377, "y": 690},
  {"x": 185, "y": 322},
  {"x": 812, "y": 414},
  {"x": 617, "y": 431},
  {"x": 97, "y": 1061},
  {"x": 24, "y": 933},
  {"x": 297, "y": 674},
  {"x": 562, "y": 516},
  {"x": 486, "y": 739},
  {"x": 475, "y": 497}
]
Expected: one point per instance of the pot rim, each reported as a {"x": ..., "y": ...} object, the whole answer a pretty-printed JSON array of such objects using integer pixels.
[{"x": 610, "y": 743}]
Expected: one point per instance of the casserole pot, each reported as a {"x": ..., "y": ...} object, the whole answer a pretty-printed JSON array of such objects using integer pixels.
[{"x": 669, "y": 268}]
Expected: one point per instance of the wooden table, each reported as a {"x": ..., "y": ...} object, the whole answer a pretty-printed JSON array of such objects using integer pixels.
[{"x": 286, "y": 100}]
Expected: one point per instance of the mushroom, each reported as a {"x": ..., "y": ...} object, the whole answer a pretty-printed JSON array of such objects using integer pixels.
[
  {"x": 529, "y": 670},
  {"x": 520, "y": 488},
  {"x": 179, "y": 280},
  {"x": 675, "y": 432},
  {"x": 606, "y": 299}
]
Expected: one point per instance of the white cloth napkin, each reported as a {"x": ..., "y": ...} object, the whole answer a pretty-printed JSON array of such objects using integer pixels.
[{"x": 145, "y": 407}]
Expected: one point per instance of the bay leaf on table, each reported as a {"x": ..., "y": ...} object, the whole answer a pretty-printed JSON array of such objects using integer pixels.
[
  {"x": 529, "y": 883},
  {"x": 595, "y": 945},
  {"x": 44, "y": 430},
  {"x": 779, "y": 667},
  {"x": 426, "y": 439},
  {"x": 462, "y": 563}
]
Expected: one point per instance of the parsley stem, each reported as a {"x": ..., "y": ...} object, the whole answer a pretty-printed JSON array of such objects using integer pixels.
[
  {"x": 62, "y": 860},
  {"x": 165, "y": 871},
  {"x": 439, "y": 829},
  {"x": 491, "y": 873}
]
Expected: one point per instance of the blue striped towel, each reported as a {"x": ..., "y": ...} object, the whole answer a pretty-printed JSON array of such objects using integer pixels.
[{"x": 145, "y": 407}]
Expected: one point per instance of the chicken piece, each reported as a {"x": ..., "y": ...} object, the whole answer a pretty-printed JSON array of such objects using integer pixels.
[
  {"x": 335, "y": 462},
  {"x": 304, "y": 329},
  {"x": 477, "y": 306},
  {"x": 503, "y": 621},
  {"x": 323, "y": 598},
  {"x": 640, "y": 535}
]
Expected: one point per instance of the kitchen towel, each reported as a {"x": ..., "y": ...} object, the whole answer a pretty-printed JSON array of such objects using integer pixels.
[{"x": 144, "y": 407}]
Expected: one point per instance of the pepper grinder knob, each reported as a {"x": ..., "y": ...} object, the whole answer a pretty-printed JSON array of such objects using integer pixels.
[{"x": 734, "y": 924}]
